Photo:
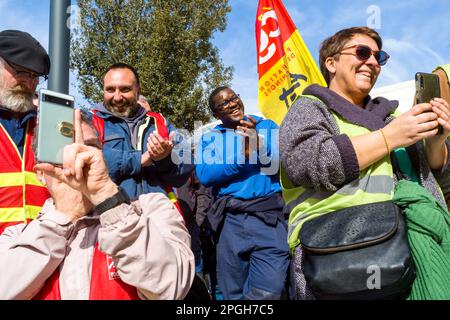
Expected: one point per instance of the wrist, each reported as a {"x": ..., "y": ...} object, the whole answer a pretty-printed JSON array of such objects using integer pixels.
[
  {"x": 386, "y": 143},
  {"x": 146, "y": 159},
  {"x": 437, "y": 154},
  {"x": 111, "y": 202},
  {"x": 107, "y": 191}
]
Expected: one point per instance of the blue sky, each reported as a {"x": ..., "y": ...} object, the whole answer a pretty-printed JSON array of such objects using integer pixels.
[{"x": 416, "y": 33}]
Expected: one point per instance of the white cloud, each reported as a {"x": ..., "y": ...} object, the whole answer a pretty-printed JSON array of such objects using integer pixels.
[{"x": 407, "y": 58}]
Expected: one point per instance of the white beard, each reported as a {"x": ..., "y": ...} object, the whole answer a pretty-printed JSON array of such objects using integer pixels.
[{"x": 16, "y": 101}]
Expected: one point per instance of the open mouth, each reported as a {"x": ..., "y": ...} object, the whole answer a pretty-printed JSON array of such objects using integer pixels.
[
  {"x": 235, "y": 111},
  {"x": 365, "y": 75}
]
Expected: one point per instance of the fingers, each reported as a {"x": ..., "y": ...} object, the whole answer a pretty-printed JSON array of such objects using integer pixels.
[
  {"x": 427, "y": 134},
  {"x": 70, "y": 155},
  {"x": 82, "y": 159},
  {"x": 440, "y": 107},
  {"x": 444, "y": 124},
  {"x": 426, "y": 117},
  {"x": 420, "y": 108},
  {"x": 51, "y": 170},
  {"x": 155, "y": 143},
  {"x": 441, "y": 101},
  {"x": 47, "y": 168},
  {"x": 245, "y": 131},
  {"x": 77, "y": 127},
  {"x": 249, "y": 124},
  {"x": 428, "y": 126},
  {"x": 253, "y": 121},
  {"x": 158, "y": 145}
]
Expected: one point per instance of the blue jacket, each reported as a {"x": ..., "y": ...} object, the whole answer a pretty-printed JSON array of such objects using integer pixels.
[
  {"x": 124, "y": 159},
  {"x": 220, "y": 162},
  {"x": 15, "y": 126}
]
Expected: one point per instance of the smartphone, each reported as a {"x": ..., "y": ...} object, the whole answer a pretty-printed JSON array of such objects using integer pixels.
[
  {"x": 55, "y": 125},
  {"x": 427, "y": 88}
]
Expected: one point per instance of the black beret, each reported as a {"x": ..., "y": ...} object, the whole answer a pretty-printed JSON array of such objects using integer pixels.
[{"x": 21, "y": 49}]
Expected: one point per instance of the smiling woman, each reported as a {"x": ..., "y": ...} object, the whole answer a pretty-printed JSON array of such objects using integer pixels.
[{"x": 341, "y": 149}]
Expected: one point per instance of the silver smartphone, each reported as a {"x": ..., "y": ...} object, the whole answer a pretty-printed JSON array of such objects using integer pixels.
[{"x": 55, "y": 125}]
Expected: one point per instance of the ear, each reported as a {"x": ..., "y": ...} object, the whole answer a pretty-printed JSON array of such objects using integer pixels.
[{"x": 330, "y": 64}]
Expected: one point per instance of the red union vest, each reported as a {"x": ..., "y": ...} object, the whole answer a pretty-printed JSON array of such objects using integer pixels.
[
  {"x": 105, "y": 282},
  {"x": 21, "y": 193},
  {"x": 161, "y": 128}
]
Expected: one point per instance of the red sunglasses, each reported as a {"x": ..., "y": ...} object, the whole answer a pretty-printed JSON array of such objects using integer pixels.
[{"x": 364, "y": 52}]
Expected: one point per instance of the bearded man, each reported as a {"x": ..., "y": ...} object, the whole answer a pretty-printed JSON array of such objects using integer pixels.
[
  {"x": 23, "y": 64},
  {"x": 137, "y": 144}
]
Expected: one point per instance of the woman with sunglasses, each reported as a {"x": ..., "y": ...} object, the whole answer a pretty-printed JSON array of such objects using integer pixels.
[{"x": 339, "y": 146}]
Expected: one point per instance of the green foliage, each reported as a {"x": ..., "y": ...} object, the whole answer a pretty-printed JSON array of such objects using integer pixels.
[{"x": 167, "y": 41}]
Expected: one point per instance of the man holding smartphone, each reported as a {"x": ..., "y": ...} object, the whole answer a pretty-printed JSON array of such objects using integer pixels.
[
  {"x": 91, "y": 242},
  {"x": 24, "y": 63}
]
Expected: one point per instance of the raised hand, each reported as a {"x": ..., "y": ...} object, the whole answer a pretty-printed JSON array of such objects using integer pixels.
[
  {"x": 248, "y": 130},
  {"x": 441, "y": 108},
  {"x": 159, "y": 148},
  {"x": 412, "y": 126},
  {"x": 84, "y": 168}
]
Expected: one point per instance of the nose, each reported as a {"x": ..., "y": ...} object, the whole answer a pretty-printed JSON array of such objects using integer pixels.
[
  {"x": 233, "y": 103},
  {"x": 117, "y": 95},
  {"x": 372, "y": 60}
]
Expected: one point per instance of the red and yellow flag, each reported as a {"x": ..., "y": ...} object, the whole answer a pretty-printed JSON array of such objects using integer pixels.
[{"x": 285, "y": 66}]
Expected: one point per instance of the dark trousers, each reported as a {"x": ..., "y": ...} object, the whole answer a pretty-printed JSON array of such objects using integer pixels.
[{"x": 252, "y": 258}]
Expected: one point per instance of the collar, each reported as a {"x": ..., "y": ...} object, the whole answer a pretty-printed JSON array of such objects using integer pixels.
[
  {"x": 22, "y": 117},
  {"x": 371, "y": 116}
]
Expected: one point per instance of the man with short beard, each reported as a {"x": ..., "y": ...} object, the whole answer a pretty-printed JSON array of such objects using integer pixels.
[
  {"x": 137, "y": 144},
  {"x": 23, "y": 62}
]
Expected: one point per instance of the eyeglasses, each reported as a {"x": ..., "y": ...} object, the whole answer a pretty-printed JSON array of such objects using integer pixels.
[
  {"x": 364, "y": 52},
  {"x": 22, "y": 73},
  {"x": 226, "y": 102}
]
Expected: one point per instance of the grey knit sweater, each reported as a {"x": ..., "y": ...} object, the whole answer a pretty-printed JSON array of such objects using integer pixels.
[{"x": 316, "y": 155}]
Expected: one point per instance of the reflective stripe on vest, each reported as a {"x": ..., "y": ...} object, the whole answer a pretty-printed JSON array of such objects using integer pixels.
[
  {"x": 105, "y": 283},
  {"x": 21, "y": 193},
  {"x": 375, "y": 184},
  {"x": 446, "y": 69}
]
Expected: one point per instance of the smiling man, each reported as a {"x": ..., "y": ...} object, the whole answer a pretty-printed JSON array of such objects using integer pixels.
[
  {"x": 137, "y": 144},
  {"x": 23, "y": 64},
  {"x": 247, "y": 215}
]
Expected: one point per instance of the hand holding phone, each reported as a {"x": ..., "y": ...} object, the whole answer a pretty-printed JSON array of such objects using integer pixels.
[
  {"x": 55, "y": 125},
  {"x": 427, "y": 88}
]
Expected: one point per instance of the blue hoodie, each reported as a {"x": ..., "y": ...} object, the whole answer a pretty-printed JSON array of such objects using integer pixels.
[{"x": 220, "y": 162}]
